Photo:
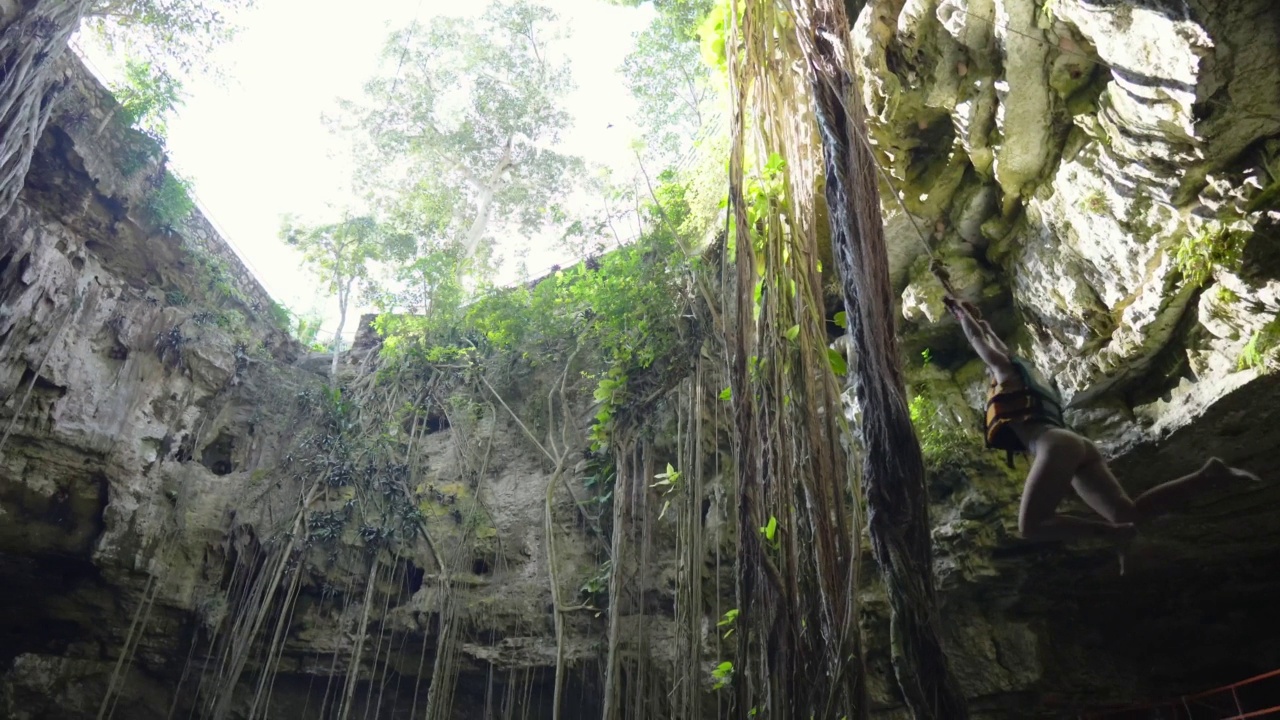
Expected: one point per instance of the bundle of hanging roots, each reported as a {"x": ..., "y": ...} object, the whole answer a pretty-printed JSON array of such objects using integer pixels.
[{"x": 791, "y": 75}]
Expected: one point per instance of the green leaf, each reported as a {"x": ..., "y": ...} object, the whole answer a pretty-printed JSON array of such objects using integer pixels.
[
  {"x": 722, "y": 674},
  {"x": 775, "y": 164},
  {"x": 842, "y": 319},
  {"x": 667, "y": 480},
  {"x": 838, "y": 364},
  {"x": 726, "y": 393},
  {"x": 770, "y": 531},
  {"x": 792, "y": 332}
]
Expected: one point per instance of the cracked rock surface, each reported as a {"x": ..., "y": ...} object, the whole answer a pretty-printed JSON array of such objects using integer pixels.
[{"x": 1100, "y": 177}]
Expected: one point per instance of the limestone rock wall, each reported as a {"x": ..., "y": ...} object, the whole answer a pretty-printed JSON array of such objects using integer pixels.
[
  {"x": 160, "y": 428},
  {"x": 1101, "y": 178},
  {"x": 127, "y": 388},
  {"x": 1063, "y": 156},
  {"x": 160, "y": 433}
]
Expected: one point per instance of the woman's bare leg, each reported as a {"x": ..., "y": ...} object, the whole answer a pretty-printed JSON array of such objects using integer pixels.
[
  {"x": 1098, "y": 487},
  {"x": 1059, "y": 454}
]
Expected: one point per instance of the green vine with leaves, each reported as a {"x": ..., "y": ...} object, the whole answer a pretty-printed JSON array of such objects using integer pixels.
[
  {"x": 1215, "y": 246},
  {"x": 625, "y": 306}
]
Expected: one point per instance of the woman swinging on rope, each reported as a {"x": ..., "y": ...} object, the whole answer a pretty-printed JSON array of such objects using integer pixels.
[{"x": 1024, "y": 414}]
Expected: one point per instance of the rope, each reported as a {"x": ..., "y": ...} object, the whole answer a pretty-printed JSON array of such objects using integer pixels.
[{"x": 936, "y": 265}]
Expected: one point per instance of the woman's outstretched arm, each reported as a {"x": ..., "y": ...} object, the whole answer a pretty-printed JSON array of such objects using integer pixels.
[{"x": 990, "y": 349}]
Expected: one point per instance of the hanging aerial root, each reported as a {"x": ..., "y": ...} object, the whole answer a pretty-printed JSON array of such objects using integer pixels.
[
  {"x": 137, "y": 628},
  {"x": 353, "y": 670},
  {"x": 894, "y": 469},
  {"x": 796, "y": 562},
  {"x": 253, "y": 612},
  {"x": 274, "y": 650},
  {"x": 29, "y": 49},
  {"x": 621, "y": 491}
]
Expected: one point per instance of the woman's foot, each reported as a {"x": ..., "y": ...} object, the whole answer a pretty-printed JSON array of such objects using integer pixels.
[{"x": 1219, "y": 470}]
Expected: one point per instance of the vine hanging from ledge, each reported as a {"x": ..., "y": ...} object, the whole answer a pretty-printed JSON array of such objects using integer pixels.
[{"x": 797, "y": 546}]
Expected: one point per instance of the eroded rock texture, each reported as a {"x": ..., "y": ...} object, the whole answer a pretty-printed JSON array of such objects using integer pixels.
[
  {"x": 1101, "y": 177},
  {"x": 171, "y": 477},
  {"x": 125, "y": 408},
  {"x": 161, "y": 433}
]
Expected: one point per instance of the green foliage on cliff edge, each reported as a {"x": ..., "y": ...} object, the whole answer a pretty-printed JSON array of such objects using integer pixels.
[
  {"x": 148, "y": 96},
  {"x": 1213, "y": 247},
  {"x": 170, "y": 203},
  {"x": 625, "y": 309},
  {"x": 1257, "y": 353}
]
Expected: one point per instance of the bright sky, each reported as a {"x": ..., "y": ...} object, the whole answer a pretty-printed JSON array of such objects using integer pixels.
[{"x": 256, "y": 148}]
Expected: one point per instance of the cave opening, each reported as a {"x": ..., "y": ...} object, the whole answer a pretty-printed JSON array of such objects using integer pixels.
[{"x": 218, "y": 455}]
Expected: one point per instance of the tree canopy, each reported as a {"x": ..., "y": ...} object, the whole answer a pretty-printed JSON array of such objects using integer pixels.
[
  {"x": 179, "y": 34},
  {"x": 341, "y": 255},
  {"x": 666, "y": 74},
  {"x": 471, "y": 112}
]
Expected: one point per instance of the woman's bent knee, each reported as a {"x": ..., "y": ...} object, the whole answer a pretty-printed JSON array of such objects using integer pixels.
[
  {"x": 1122, "y": 513},
  {"x": 1099, "y": 489},
  {"x": 1029, "y": 524}
]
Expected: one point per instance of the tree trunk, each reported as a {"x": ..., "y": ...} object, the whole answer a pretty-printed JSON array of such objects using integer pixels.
[
  {"x": 484, "y": 206},
  {"x": 897, "y": 502},
  {"x": 29, "y": 47},
  {"x": 487, "y": 190},
  {"x": 627, "y": 457},
  {"x": 799, "y": 645},
  {"x": 343, "y": 299}
]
